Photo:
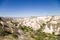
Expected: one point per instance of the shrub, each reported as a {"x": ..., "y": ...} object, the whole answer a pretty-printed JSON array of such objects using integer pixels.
[
  {"x": 27, "y": 29},
  {"x": 58, "y": 37},
  {"x": 14, "y": 35},
  {"x": 6, "y": 33},
  {"x": 15, "y": 23}
]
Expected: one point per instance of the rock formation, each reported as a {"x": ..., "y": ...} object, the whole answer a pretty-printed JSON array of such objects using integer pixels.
[{"x": 29, "y": 28}]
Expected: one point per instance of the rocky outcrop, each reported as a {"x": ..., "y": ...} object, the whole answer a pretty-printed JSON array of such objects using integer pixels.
[{"x": 26, "y": 28}]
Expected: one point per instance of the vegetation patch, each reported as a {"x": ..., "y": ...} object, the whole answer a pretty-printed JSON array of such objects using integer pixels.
[
  {"x": 14, "y": 35},
  {"x": 6, "y": 33},
  {"x": 15, "y": 23},
  {"x": 25, "y": 28}
]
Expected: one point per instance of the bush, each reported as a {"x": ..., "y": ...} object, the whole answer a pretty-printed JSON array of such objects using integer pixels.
[
  {"x": 14, "y": 35},
  {"x": 6, "y": 33},
  {"x": 15, "y": 23},
  {"x": 27, "y": 29},
  {"x": 58, "y": 37}
]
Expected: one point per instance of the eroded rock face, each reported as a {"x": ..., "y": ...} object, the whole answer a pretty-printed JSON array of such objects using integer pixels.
[
  {"x": 11, "y": 28},
  {"x": 52, "y": 23}
]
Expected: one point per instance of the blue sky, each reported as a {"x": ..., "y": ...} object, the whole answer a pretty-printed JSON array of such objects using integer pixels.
[{"x": 25, "y": 8}]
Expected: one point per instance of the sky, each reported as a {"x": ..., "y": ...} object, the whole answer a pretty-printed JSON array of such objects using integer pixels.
[{"x": 25, "y": 8}]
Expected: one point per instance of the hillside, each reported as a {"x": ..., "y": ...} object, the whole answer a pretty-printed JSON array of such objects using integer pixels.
[{"x": 30, "y": 28}]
